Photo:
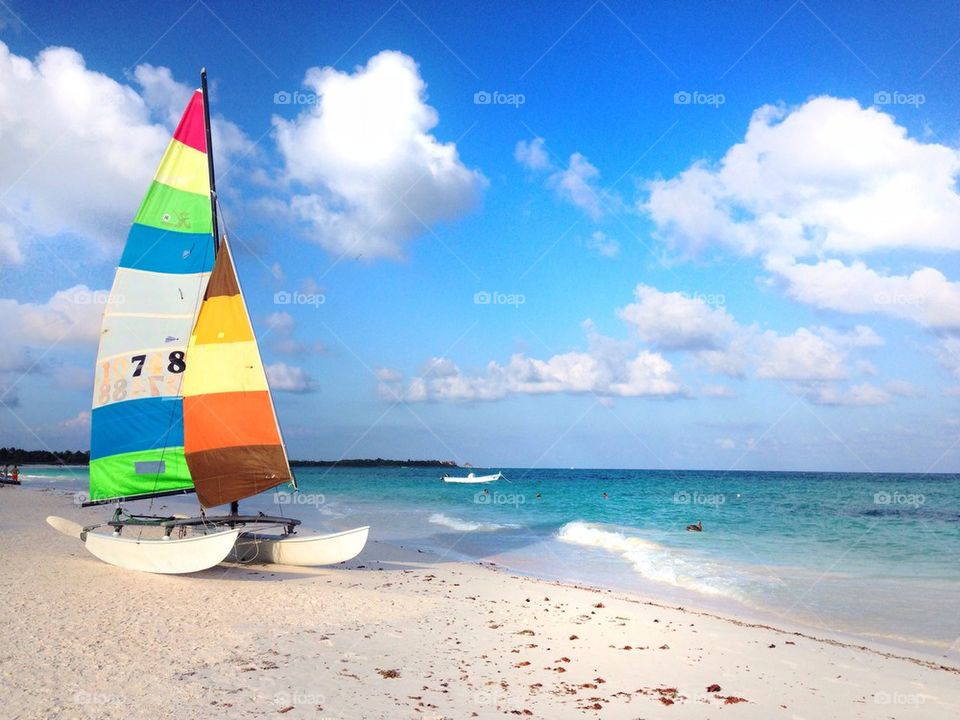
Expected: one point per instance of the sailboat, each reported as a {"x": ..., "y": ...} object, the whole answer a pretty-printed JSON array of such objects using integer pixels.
[{"x": 181, "y": 401}]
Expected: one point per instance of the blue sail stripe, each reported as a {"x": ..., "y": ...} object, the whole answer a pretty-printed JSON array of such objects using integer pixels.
[
  {"x": 167, "y": 251},
  {"x": 132, "y": 425}
]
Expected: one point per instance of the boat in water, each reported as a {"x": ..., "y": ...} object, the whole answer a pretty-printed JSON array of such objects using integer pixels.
[
  {"x": 181, "y": 401},
  {"x": 472, "y": 479}
]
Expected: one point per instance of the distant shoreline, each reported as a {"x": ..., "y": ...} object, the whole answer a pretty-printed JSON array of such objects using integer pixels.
[
  {"x": 378, "y": 462},
  {"x": 17, "y": 456}
]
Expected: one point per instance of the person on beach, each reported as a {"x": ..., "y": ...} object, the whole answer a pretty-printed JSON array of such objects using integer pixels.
[
  {"x": 5, "y": 468},
  {"x": 15, "y": 475}
]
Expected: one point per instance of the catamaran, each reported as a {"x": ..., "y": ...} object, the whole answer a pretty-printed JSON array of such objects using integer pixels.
[
  {"x": 471, "y": 478},
  {"x": 181, "y": 401}
]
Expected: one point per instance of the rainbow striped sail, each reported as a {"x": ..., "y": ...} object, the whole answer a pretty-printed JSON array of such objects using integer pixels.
[
  {"x": 137, "y": 429},
  {"x": 232, "y": 441}
]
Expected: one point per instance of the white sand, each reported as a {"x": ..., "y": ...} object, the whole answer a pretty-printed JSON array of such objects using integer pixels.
[{"x": 82, "y": 639}]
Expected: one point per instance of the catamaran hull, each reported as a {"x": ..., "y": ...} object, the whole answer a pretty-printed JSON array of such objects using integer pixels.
[
  {"x": 165, "y": 557},
  {"x": 472, "y": 480},
  {"x": 302, "y": 550}
]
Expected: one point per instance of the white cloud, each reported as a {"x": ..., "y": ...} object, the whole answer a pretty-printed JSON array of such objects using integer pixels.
[
  {"x": 673, "y": 320},
  {"x": 281, "y": 322},
  {"x": 603, "y": 246},
  {"x": 828, "y": 176},
  {"x": 716, "y": 391},
  {"x": 577, "y": 185},
  {"x": 373, "y": 175},
  {"x": 948, "y": 352},
  {"x": 803, "y": 355},
  {"x": 71, "y": 316},
  {"x": 80, "y": 421},
  {"x": 287, "y": 378},
  {"x": 532, "y": 154},
  {"x": 925, "y": 296},
  {"x": 79, "y": 149},
  {"x": 726, "y": 443},
  {"x": 608, "y": 369},
  {"x": 863, "y": 394}
]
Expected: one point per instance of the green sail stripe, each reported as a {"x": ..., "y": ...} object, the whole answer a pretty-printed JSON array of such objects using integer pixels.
[
  {"x": 168, "y": 208},
  {"x": 117, "y": 476}
]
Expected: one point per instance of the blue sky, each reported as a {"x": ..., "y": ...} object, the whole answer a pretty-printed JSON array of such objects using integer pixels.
[{"x": 664, "y": 288}]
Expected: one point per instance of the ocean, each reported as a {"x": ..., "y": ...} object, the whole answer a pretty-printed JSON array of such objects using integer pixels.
[{"x": 869, "y": 557}]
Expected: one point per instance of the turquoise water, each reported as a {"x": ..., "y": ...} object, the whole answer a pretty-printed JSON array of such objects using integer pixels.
[{"x": 872, "y": 556}]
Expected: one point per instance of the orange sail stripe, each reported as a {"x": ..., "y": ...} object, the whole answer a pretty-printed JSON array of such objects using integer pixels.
[{"x": 228, "y": 420}]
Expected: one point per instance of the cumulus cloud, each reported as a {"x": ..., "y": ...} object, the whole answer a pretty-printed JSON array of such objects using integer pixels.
[
  {"x": 674, "y": 321},
  {"x": 948, "y": 352},
  {"x": 828, "y": 176},
  {"x": 369, "y": 174},
  {"x": 925, "y": 297},
  {"x": 287, "y": 378},
  {"x": 79, "y": 148},
  {"x": 608, "y": 369},
  {"x": 71, "y": 316}
]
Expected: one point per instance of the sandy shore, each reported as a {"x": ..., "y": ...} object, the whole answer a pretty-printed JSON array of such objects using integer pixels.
[{"x": 399, "y": 634}]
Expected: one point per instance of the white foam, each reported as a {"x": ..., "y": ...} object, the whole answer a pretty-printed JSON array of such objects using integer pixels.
[
  {"x": 460, "y": 525},
  {"x": 652, "y": 560}
]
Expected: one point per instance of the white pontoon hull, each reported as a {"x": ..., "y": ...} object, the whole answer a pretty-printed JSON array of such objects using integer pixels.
[
  {"x": 154, "y": 555},
  {"x": 302, "y": 550}
]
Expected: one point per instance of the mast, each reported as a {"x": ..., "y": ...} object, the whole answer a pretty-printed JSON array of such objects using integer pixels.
[{"x": 213, "y": 181}]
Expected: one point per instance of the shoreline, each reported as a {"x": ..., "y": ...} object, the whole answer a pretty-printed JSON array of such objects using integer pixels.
[
  {"x": 730, "y": 610},
  {"x": 398, "y": 633}
]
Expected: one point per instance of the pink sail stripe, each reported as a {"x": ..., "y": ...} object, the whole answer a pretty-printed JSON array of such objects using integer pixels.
[{"x": 190, "y": 131}]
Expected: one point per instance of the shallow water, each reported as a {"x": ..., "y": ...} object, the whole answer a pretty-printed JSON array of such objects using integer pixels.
[{"x": 873, "y": 556}]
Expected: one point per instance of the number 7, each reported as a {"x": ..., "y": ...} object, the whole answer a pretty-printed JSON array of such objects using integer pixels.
[{"x": 140, "y": 360}]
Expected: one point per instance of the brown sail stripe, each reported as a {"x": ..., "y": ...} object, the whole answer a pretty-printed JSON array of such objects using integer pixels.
[{"x": 222, "y": 475}]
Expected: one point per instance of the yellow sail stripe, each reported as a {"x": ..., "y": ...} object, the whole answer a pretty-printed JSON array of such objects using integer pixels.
[
  {"x": 184, "y": 168},
  {"x": 222, "y": 368},
  {"x": 224, "y": 320}
]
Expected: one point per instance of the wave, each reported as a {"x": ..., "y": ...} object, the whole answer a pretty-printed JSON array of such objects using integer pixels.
[
  {"x": 459, "y": 525},
  {"x": 659, "y": 563}
]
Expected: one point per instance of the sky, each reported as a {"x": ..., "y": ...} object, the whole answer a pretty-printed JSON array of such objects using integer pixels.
[{"x": 589, "y": 234}]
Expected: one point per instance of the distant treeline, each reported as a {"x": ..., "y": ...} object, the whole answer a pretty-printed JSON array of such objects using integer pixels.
[
  {"x": 379, "y": 462},
  {"x": 18, "y": 456}
]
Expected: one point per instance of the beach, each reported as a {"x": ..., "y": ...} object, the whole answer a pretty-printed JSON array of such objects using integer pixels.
[{"x": 402, "y": 633}]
